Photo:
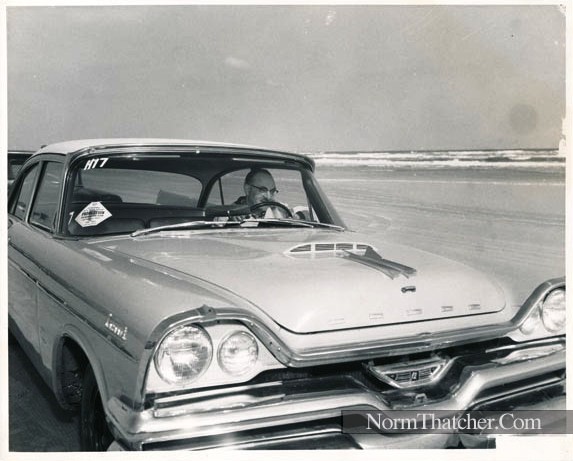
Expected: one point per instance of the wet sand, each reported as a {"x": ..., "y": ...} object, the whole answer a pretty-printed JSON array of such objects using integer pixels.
[{"x": 510, "y": 223}]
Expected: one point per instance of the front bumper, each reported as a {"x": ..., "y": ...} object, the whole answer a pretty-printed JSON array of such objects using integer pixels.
[{"x": 307, "y": 414}]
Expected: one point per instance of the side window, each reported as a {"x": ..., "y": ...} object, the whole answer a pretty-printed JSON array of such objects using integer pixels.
[
  {"x": 14, "y": 166},
  {"x": 25, "y": 194},
  {"x": 46, "y": 203}
]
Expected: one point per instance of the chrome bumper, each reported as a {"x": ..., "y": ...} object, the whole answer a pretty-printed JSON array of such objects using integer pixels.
[{"x": 275, "y": 415}]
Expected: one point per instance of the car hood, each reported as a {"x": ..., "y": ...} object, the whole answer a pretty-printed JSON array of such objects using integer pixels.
[{"x": 307, "y": 282}]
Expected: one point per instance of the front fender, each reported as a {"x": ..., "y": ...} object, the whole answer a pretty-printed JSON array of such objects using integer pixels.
[{"x": 103, "y": 356}]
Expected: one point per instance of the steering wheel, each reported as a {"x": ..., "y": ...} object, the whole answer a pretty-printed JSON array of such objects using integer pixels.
[{"x": 284, "y": 208}]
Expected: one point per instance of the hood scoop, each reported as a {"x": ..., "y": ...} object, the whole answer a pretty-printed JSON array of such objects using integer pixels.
[
  {"x": 358, "y": 252},
  {"x": 326, "y": 249}
]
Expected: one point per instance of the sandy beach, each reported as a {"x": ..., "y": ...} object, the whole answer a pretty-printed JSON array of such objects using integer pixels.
[{"x": 507, "y": 222}]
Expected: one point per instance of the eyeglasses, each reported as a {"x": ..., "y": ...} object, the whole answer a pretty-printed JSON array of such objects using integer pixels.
[{"x": 264, "y": 190}]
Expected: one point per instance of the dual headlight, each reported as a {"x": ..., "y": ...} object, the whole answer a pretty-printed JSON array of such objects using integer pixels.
[
  {"x": 186, "y": 353},
  {"x": 550, "y": 311}
]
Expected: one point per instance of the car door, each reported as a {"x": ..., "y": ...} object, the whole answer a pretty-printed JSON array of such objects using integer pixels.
[
  {"x": 30, "y": 234},
  {"x": 22, "y": 306}
]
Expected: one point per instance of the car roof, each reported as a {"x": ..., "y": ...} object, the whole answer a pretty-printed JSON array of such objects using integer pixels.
[
  {"x": 81, "y": 145},
  {"x": 68, "y": 147}
]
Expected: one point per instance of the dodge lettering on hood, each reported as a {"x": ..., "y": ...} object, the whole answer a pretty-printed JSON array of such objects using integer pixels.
[{"x": 191, "y": 295}]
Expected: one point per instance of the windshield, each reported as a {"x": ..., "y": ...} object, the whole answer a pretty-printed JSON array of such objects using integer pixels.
[{"x": 126, "y": 193}]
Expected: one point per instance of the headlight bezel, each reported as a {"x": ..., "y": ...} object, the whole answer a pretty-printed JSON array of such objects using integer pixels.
[
  {"x": 225, "y": 340},
  {"x": 544, "y": 306},
  {"x": 532, "y": 322},
  {"x": 202, "y": 333},
  {"x": 531, "y": 325}
]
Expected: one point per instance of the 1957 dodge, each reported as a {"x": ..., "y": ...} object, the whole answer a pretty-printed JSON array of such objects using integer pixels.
[{"x": 177, "y": 303}]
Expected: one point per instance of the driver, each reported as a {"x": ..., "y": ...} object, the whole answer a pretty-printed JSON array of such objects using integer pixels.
[{"x": 260, "y": 188}]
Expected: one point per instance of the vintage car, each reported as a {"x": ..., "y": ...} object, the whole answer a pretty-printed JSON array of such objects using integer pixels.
[
  {"x": 16, "y": 159},
  {"x": 173, "y": 311}
]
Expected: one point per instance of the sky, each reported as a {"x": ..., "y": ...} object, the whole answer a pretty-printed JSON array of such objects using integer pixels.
[{"x": 301, "y": 78}]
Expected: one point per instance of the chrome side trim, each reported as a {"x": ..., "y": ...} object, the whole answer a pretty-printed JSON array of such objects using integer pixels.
[{"x": 22, "y": 271}]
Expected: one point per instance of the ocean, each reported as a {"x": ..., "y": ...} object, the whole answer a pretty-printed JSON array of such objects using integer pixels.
[{"x": 523, "y": 158}]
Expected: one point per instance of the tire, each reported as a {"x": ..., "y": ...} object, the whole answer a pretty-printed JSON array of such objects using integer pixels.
[{"x": 94, "y": 430}]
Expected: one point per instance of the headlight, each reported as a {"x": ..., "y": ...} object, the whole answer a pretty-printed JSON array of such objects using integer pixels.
[
  {"x": 184, "y": 354},
  {"x": 532, "y": 322},
  {"x": 238, "y": 353},
  {"x": 553, "y": 311}
]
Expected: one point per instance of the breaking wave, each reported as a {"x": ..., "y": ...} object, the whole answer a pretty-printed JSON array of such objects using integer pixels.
[{"x": 444, "y": 159}]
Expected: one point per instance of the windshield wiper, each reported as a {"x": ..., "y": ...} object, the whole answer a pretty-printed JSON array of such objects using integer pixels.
[
  {"x": 185, "y": 225},
  {"x": 254, "y": 222},
  {"x": 322, "y": 224},
  {"x": 290, "y": 222},
  {"x": 250, "y": 222}
]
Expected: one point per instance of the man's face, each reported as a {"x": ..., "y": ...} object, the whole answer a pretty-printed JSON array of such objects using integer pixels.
[{"x": 261, "y": 188}]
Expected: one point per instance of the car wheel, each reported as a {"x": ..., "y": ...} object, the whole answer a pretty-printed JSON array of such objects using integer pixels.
[{"x": 94, "y": 431}]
